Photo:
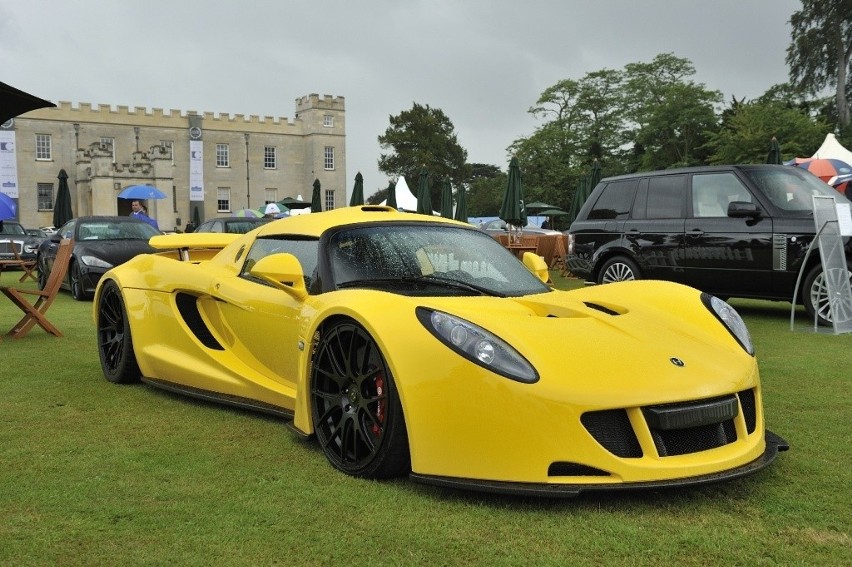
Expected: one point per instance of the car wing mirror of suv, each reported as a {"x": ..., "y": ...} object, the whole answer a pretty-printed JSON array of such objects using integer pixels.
[{"x": 740, "y": 209}]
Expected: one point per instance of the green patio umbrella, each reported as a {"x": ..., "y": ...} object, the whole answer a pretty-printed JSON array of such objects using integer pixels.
[
  {"x": 62, "y": 209},
  {"x": 196, "y": 216},
  {"x": 774, "y": 156},
  {"x": 539, "y": 206},
  {"x": 391, "y": 201},
  {"x": 595, "y": 176},
  {"x": 461, "y": 205},
  {"x": 512, "y": 210},
  {"x": 292, "y": 203},
  {"x": 424, "y": 194},
  {"x": 357, "y": 191},
  {"x": 316, "y": 198},
  {"x": 447, "y": 200},
  {"x": 580, "y": 196}
]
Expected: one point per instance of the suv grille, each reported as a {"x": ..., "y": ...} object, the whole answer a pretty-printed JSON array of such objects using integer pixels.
[{"x": 677, "y": 429}]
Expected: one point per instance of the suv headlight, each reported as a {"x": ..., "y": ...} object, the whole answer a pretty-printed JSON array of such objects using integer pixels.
[
  {"x": 731, "y": 319},
  {"x": 477, "y": 345}
]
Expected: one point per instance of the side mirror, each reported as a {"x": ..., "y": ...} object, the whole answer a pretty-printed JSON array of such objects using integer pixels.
[
  {"x": 743, "y": 209},
  {"x": 537, "y": 266},
  {"x": 284, "y": 272},
  {"x": 56, "y": 238}
]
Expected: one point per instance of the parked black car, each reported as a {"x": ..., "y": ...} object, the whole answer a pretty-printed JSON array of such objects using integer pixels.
[
  {"x": 235, "y": 225},
  {"x": 733, "y": 231},
  {"x": 14, "y": 238},
  {"x": 99, "y": 244}
]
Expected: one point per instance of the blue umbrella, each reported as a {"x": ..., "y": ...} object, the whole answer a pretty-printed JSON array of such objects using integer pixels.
[
  {"x": 8, "y": 209},
  {"x": 141, "y": 193}
]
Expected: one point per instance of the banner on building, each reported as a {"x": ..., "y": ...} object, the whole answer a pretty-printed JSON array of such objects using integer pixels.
[
  {"x": 8, "y": 164},
  {"x": 196, "y": 170}
]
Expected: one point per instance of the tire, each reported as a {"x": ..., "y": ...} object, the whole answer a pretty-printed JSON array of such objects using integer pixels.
[
  {"x": 115, "y": 344},
  {"x": 43, "y": 273},
  {"x": 356, "y": 410},
  {"x": 76, "y": 281},
  {"x": 815, "y": 295},
  {"x": 618, "y": 269}
]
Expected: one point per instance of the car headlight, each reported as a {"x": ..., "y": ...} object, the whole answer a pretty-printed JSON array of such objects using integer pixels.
[
  {"x": 30, "y": 248},
  {"x": 731, "y": 319},
  {"x": 477, "y": 345},
  {"x": 95, "y": 262}
]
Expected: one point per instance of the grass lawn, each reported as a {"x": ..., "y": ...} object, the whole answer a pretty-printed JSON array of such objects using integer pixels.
[{"x": 99, "y": 474}]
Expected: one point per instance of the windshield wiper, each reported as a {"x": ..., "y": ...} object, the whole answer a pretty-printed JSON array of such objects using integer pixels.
[{"x": 428, "y": 278}]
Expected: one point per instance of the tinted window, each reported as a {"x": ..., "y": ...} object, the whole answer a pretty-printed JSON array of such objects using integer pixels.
[
  {"x": 666, "y": 196},
  {"x": 712, "y": 192},
  {"x": 615, "y": 200},
  {"x": 792, "y": 190}
]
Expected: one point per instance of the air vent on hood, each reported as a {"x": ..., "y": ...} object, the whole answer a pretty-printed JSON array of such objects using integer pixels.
[{"x": 601, "y": 308}]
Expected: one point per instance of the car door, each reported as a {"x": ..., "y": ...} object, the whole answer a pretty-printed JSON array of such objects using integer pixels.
[
  {"x": 725, "y": 254},
  {"x": 654, "y": 232},
  {"x": 264, "y": 321}
]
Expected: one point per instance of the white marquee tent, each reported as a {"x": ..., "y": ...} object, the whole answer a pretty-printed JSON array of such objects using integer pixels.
[
  {"x": 832, "y": 149},
  {"x": 405, "y": 199}
]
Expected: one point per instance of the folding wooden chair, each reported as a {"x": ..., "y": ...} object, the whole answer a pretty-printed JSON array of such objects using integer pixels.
[
  {"x": 28, "y": 266},
  {"x": 34, "y": 312}
]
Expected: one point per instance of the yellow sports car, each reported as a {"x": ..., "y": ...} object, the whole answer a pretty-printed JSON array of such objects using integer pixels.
[{"x": 408, "y": 344}]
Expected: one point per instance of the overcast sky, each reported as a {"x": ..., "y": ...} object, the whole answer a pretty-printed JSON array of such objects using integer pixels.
[{"x": 483, "y": 62}]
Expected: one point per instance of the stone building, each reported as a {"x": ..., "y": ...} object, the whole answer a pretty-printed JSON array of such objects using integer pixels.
[{"x": 207, "y": 164}]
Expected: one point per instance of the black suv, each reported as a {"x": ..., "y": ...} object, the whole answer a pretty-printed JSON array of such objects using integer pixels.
[{"x": 734, "y": 231}]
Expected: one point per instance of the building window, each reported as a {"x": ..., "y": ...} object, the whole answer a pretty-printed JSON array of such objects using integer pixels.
[
  {"x": 45, "y": 196},
  {"x": 109, "y": 144},
  {"x": 270, "y": 160},
  {"x": 43, "y": 147},
  {"x": 169, "y": 145},
  {"x": 271, "y": 195},
  {"x": 329, "y": 199},
  {"x": 223, "y": 200},
  {"x": 328, "y": 121},
  {"x": 329, "y": 157},
  {"x": 223, "y": 155}
]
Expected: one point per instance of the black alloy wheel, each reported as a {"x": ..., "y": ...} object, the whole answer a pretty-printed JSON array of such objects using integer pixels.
[
  {"x": 115, "y": 345},
  {"x": 43, "y": 273},
  {"x": 618, "y": 269},
  {"x": 356, "y": 411},
  {"x": 76, "y": 282}
]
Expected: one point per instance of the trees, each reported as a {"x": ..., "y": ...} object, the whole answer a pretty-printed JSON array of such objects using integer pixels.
[
  {"x": 671, "y": 115},
  {"x": 423, "y": 137},
  {"x": 820, "y": 50}
]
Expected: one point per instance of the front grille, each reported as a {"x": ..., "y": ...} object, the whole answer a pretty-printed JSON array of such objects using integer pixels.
[
  {"x": 612, "y": 429},
  {"x": 676, "y": 429},
  {"x": 9, "y": 247}
]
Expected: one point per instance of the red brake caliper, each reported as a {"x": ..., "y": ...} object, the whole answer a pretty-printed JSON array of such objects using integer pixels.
[{"x": 379, "y": 381}]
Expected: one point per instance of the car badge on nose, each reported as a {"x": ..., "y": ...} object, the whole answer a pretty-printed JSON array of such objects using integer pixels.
[{"x": 677, "y": 362}]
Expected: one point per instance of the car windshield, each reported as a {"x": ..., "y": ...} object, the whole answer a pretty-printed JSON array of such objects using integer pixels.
[
  {"x": 792, "y": 189},
  {"x": 428, "y": 260},
  {"x": 112, "y": 230},
  {"x": 242, "y": 226},
  {"x": 12, "y": 228}
]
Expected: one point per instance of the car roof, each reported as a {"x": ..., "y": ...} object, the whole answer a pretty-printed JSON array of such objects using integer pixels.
[
  {"x": 315, "y": 224},
  {"x": 696, "y": 169}
]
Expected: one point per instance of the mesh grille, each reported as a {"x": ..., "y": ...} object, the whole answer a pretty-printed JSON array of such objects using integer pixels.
[
  {"x": 749, "y": 409},
  {"x": 693, "y": 439},
  {"x": 612, "y": 429}
]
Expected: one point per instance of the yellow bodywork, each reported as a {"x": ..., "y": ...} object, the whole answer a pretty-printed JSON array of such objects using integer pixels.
[{"x": 463, "y": 421}]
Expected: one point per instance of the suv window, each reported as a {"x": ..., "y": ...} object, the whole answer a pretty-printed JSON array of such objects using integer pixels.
[
  {"x": 666, "y": 197},
  {"x": 712, "y": 192},
  {"x": 615, "y": 200}
]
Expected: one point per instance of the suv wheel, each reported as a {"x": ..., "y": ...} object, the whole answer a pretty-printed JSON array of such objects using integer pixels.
[
  {"x": 618, "y": 269},
  {"x": 815, "y": 295}
]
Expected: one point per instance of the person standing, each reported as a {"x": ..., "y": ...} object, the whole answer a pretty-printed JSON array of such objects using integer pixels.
[{"x": 140, "y": 212}]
